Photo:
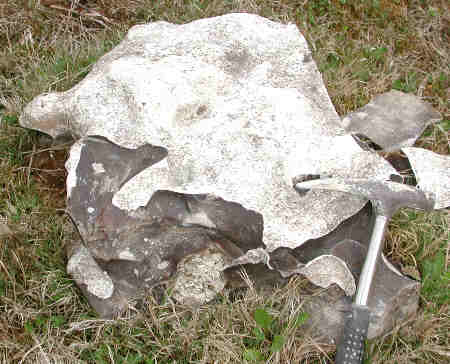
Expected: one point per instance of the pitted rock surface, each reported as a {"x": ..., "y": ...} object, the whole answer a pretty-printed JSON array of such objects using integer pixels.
[
  {"x": 240, "y": 107},
  {"x": 191, "y": 138}
]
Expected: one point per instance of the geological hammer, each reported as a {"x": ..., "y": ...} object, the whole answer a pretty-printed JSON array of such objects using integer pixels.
[{"x": 386, "y": 198}]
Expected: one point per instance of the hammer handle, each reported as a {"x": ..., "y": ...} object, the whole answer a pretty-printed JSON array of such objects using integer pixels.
[{"x": 351, "y": 348}]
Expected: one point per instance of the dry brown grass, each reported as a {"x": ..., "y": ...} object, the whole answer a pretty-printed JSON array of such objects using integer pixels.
[{"x": 363, "y": 48}]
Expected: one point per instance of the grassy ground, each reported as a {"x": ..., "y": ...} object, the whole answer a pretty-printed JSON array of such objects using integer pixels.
[{"x": 363, "y": 48}]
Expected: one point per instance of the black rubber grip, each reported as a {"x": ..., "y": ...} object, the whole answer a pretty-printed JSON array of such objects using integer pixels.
[{"x": 350, "y": 350}]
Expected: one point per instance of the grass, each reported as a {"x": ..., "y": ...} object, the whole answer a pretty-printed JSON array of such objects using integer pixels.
[{"x": 362, "y": 48}]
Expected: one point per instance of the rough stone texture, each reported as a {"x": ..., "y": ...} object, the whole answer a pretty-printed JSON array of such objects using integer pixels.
[
  {"x": 127, "y": 253},
  {"x": 392, "y": 120},
  {"x": 393, "y": 297},
  {"x": 388, "y": 287},
  {"x": 83, "y": 272},
  {"x": 241, "y": 109},
  {"x": 87, "y": 272},
  {"x": 325, "y": 270},
  {"x": 388, "y": 308},
  {"x": 191, "y": 139},
  {"x": 200, "y": 277},
  {"x": 432, "y": 173}
]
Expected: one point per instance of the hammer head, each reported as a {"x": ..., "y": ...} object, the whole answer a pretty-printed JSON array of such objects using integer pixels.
[{"x": 386, "y": 196}]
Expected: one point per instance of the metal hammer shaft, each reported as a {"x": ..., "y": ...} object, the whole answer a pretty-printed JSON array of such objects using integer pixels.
[
  {"x": 386, "y": 198},
  {"x": 370, "y": 263},
  {"x": 351, "y": 348}
]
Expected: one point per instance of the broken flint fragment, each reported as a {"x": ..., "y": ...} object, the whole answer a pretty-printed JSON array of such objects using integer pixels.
[
  {"x": 432, "y": 172},
  {"x": 148, "y": 200},
  {"x": 86, "y": 272},
  {"x": 392, "y": 120},
  {"x": 325, "y": 270},
  {"x": 240, "y": 109}
]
